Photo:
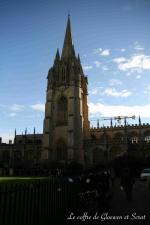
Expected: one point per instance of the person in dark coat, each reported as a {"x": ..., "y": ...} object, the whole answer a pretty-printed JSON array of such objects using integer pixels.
[{"x": 127, "y": 181}]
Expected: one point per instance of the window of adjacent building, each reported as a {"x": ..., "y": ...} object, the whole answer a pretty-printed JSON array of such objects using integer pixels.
[
  {"x": 118, "y": 137},
  {"x": 17, "y": 155},
  {"x": 38, "y": 141},
  {"x": 147, "y": 139},
  {"x": 30, "y": 155},
  {"x": 6, "y": 156},
  {"x": 133, "y": 137},
  {"x": 62, "y": 111},
  {"x": 147, "y": 136}
]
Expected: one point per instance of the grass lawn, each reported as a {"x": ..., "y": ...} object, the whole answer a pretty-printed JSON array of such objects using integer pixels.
[{"x": 20, "y": 179}]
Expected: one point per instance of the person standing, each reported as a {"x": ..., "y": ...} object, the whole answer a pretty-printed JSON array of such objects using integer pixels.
[
  {"x": 112, "y": 176},
  {"x": 127, "y": 181}
]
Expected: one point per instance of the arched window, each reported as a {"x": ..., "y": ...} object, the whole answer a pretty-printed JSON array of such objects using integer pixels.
[
  {"x": 61, "y": 150},
  {"x": 62, "y": 111}
]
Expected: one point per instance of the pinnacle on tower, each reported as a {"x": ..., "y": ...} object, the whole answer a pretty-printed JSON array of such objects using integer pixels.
[
  {"x": 111, "y": 124},
  {"x": 78, "y": 57},
  {"x": 15, "y": 132},
  {"x": 97, "y": 123},
  {"x": 57, "y": 57},
  {"x": 79, "y": 61},
  {"x": 68, "y": 47},
  {"x": 139, "y": 120}
]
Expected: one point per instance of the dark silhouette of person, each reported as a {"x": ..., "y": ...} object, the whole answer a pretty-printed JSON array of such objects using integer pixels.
[
  {"x": 127, "y": 181},
  {"x": 112, "y": 176}
]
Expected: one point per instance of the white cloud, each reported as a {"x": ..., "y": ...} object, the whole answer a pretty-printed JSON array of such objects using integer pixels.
[
  {"x": 102, "y": 52},
  {"x": 134, "y": 63},
  {"x": 38, "y": 107},
  {"x": 114, "y": 82},
  {"x": 16, "y": 108},
  {"x": 6, "y": 137},
  {"x": 95, "y": 91},
  {"x": 128, "y": 74},
  {"x": 97, "y": 63},
  {"x": 137, "y": 46},
  {"x": 105, "y": 68},
  {"x": 105, "y": 52},
  {"x": 87, "y": 67},
  {"x": 12, "y": 114},
  {"x": 146, "y": 62},
  {"x": 119, "y": 60},
  {"x": 138, "y": 77},
  {"x": 113, "y": 110},
  {"x": 122, "y": 49},
  {"x": 114, "y": 93}
]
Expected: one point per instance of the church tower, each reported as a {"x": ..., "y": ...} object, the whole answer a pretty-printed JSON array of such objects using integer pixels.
[{"x": 66, "y": 124}]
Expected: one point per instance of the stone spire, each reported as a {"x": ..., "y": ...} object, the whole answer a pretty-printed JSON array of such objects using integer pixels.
[{"x": 68, "y": 47}]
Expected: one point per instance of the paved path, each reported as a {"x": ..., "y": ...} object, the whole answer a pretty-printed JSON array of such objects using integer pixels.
[{"x": 136, "y": 211}]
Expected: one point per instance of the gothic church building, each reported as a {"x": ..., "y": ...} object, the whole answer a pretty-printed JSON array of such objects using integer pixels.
[
  {"x": 67, "y": 135},
  {"x": 66, "y": 124}
]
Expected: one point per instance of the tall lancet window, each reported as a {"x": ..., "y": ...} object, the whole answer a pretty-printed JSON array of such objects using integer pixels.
[
  {"x": 62, "y": 111},
  {"x": 61, "y": 150}
]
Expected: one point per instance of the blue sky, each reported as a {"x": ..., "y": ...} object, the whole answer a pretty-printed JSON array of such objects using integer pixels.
[{"x": 112, "y": 38}]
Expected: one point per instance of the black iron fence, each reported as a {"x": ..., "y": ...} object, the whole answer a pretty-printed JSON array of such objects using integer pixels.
[{"x": 36, "y": 202}]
